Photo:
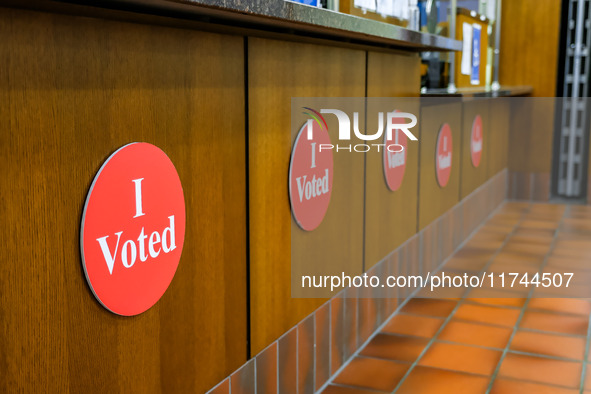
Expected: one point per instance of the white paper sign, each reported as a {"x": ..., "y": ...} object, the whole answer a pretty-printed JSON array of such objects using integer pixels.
[
  {"x": 491, "y": 9},
  {"x": 386, "y": 7},
  {"x": 365, "y": 4},
  {"x": 466, "y": 67},
  {"x": 398, "y": 9}
]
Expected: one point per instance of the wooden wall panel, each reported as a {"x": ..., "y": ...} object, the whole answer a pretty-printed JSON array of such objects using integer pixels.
[
  {"x": 589, "y": 175},
  {"x": 433, "y": 199},
  {"x": 390, "y": 217},
  {"x": 529, "y": 56},
  {"x": 498, "y": 135},
  {"x": 277, "y": 72},
  {"x": 530, "y": 33},
  {"x": 472, "y": 177},
  {"x": 73, "y": 90},
  {"x": 531, "y": 134}
]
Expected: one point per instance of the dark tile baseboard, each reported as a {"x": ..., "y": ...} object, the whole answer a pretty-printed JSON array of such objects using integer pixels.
[
  {"x": 308, "y": 355},
  {"x": 529, "y": 186}
]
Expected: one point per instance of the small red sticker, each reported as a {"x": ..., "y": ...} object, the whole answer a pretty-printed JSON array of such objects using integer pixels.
[
  {"x": 443, "y": 155},
  {"x": 476, "y": 141},
  {"x": 310, "y": 176},
  {"x": 133, "y": 229},
  {"x": 395, "y": 159}
]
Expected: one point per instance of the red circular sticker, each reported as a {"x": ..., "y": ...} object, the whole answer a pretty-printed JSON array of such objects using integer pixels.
[
  {"x": 133, "y": 229},
  {"x": 310, "y": 176},
  {"x": 395, "y": 159},
  {"x": 443, "y": 153},
  {"x": 476, "y": 141}
]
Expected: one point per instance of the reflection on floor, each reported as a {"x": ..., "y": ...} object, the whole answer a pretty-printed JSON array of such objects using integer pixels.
[{"x": 513, "y": 341}]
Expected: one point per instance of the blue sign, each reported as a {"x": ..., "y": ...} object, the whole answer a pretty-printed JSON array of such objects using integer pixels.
[
  {"x": 307, "y": 2},
  {"x": 477, "y": 31}
]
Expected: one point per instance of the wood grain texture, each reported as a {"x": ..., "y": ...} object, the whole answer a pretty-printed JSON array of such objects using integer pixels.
[
  {"x": 531, "y": 134},
  {"x": 73, "y": 90},
  {"x": 433, "y": 199},
  {"x": 390, "y": 217},
  {"x": 529, "y": 56},
  {"x": 279, "y": 71},
  {"x": 472, "y": 177},
  {"x": 498, "y": 135},
  {"x": 530, "y": 33},
  {"x": 463, "y": 80}
]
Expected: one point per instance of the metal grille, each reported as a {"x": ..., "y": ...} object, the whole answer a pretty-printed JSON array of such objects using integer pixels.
[{"x": 573, "y": 129}]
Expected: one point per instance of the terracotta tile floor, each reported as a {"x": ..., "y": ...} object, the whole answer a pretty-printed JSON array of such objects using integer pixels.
[{"x": 501, "y": 340}]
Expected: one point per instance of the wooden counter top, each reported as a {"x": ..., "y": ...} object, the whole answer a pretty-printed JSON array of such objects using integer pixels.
[{"x": 269, "y": 16}]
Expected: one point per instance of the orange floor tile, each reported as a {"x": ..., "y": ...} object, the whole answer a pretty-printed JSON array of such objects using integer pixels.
[{"x": 510, "y": 340}]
